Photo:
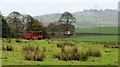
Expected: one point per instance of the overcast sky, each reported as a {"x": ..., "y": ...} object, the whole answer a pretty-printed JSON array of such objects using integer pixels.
[{"x": 41, "y": 7}]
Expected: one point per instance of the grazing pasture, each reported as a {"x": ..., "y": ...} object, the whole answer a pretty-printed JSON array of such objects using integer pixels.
[
  {"x": 58, "y": 52},
  {"x": 91, "y": 38},
  {"x": 107, "y": 30}
]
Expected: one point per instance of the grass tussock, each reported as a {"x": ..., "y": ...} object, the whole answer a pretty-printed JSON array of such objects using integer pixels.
[
  {"x": 7, "y": 48},
  {"x": 65, "y": 44},
  {"x": 106, "y": 45},
  {"x": 111, "y": 46},
  {"x": 70, "y": 53},
  {"x": 30, "y": 48},
  {"x": 32, "y": 53},
  {"x": 18, "y": 41},
  {"x": 94, "y": 53},
  {"x": 34, "y": 56},
  {"x": 115, "y": 46}
]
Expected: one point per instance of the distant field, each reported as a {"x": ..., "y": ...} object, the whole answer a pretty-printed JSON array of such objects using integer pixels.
[
  {"x": 107, "y": 30},
  {"x": 87, "y": 18},
  {"x": 91, "y": 38}
]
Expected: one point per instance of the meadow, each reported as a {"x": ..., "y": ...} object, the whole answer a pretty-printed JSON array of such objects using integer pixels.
[
  {"x": 91, "y": 38},
  {"x": 107, "y": 30},
  {"x": 13, "y": 53}
]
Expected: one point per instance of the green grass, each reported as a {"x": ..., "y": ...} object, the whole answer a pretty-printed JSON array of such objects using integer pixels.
[
  {"x": 91, "y": 38},
  {"x": 107, "y": 30},
  {"x": 88, "y": 18},
  {"x": 16, "y": 57}
]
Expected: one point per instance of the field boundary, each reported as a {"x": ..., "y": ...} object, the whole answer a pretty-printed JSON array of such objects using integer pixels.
[{"x": 95, "y": 34}]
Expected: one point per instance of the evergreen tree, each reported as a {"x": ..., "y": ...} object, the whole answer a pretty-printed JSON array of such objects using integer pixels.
[{"x": 5, "y": 28}]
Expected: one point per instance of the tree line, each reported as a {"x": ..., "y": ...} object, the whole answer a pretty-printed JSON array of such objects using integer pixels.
[{"x": 64, "y": 25}]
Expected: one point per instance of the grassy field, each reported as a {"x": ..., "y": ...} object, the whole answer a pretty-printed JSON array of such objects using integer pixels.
[
  {"x": 107, "y": 30},
  {"x": 91, "y": 38},
  {"x": 109, "y": 56}
]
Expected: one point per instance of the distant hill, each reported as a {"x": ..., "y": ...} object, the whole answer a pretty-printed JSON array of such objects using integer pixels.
[{"x": 90, "y": 17}]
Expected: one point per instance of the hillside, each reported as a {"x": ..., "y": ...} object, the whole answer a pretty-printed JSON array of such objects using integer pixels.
[{"x": 90, "y": 17}]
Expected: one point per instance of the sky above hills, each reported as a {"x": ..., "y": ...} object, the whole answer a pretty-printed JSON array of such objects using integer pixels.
[{"x": 41, "y": 7}]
